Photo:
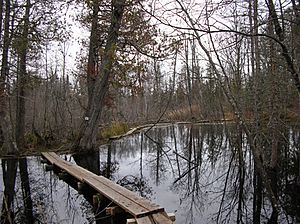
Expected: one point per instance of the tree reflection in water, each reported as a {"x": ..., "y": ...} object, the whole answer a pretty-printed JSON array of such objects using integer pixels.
[
  {"x": 136, "y": 184},
  {"x": 31, "y": 195},
  {"x": 26, "y": 192},
  {"x": 9, "y": 173},
  {"x": 206, "y": 172}
]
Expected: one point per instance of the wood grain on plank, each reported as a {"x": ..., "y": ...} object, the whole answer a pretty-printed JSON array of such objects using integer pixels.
[
  {"x": 125, "y": 203},
  {"x": 129, "y": 194}
]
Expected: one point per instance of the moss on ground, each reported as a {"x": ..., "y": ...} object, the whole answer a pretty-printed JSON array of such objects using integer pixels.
[{"x": 115, "y": 129}]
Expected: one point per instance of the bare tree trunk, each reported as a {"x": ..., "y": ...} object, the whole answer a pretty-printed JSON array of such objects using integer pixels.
[
  {"x": 296, "y": 32},
  {"x": 21, "y": 81},
  {"x": 5, "y": 123},
  {"x": 93, "y": 48},
  {"x": 274, "y": 129},
  {"x": 46, "y": 95},
  {"x": 89, "y": 161},
  {"x": 89, "y": 128},
  {"x": 188, "y": 76},
  {"x": 285, "y": 52},
  {"x": 255, "y": 64},
  {"x": 1, "y": 18}
]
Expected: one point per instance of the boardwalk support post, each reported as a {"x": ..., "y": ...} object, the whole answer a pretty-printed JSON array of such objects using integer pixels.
[
  {"x": 80, "y": 187},
  {"x": 172, "y": 216},
  {"x": 114, "y": 210},
  {"x": 43, "y": 160},
  {"x": 62, "y": 175},
  {"x": 97, "y": 198},
  {"x": 48, "y": 167},
  {"x": 131, "y": 221}
]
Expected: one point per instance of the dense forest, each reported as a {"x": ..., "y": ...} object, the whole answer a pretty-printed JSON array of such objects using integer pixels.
[{"x": 73, "y": 71}]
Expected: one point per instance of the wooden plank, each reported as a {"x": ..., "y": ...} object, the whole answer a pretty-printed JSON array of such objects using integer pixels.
[
  {"x": 113, "y": 210},
  {"x": 130, "y": 221},
  {"x": 126, "y": 199},
  {"x": 144, "y": 220},
  {"x": 125, "y": 192},
  {"x": 162, "y": 217},
  {"x": 115, "y": 191},
  {"x": 172, "y": 217},
  {"x": 159, "y": 218},
  {"x": 70, "y": 168},
  {"x": 125, "y": 203},
  {"x": 83, "y": 174},
  {"x": 147, "y": 204}
]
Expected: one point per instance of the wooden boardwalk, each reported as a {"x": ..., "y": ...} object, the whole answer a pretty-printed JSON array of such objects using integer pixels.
[{"x": 142, "y": 210}]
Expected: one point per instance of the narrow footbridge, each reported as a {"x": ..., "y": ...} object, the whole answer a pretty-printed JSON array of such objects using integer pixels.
[{"x": 142, "y": 210}]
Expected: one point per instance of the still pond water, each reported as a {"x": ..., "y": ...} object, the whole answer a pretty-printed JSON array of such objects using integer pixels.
[{"x": 190, "y": 170}]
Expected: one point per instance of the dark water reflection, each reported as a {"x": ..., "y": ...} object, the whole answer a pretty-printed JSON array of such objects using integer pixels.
[
  {"x": 184, "y": 167},
  {"x": 29, "y": 194},
  {"x": 203, "y": 173}
]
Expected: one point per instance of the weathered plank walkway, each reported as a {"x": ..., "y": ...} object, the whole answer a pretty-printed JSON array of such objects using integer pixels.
[{"x": 142, "y": 210}]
